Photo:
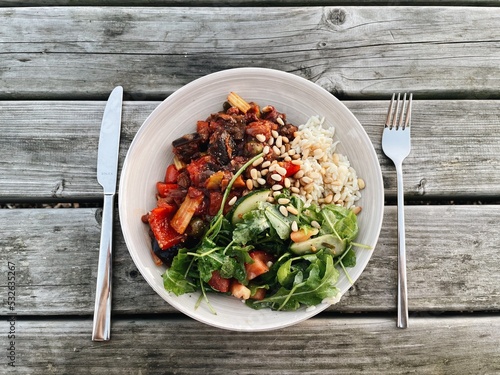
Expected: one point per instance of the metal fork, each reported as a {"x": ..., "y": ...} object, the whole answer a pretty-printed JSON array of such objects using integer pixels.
[{"x": 396, "y": 145}]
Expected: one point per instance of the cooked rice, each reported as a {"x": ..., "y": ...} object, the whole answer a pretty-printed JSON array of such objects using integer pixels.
[{"x": 328, "y": 175}]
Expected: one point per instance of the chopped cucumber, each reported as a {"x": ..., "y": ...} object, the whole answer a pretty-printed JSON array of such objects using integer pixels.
[
  {"x": 329, "y": 242},
  {"x": 246, "y": 204}
]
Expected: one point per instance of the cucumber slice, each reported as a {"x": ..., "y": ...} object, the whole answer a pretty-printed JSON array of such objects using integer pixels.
[
  {"x": 246, "y": 204},
  {"x": 331, "y": 243}
]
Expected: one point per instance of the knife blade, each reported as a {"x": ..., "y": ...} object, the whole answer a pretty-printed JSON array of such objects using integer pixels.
[{"x": 107, "y": 171}]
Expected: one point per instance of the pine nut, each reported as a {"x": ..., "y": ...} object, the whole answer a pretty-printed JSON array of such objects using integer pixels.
[
  {"x": 309, "y": 188},
  {"x": 258, "y": 161},
  {"x": 274, "y": 133},
  {"x": 267, "y": 163},
  {"x": 281, "y": 170},
  {"x": 232, "y": 200},
  {"x": 361, "y": 183},
  {"x": 356, "y": 209},
  {"x": 261, "y": 181},
  {"x": 253, "y": 173},
  {"x": 283, "y": 200},
  {"x": 276, "y": 177},
  {"x": 318, "y": 153},
  {"x": 284, "y": 211},
  {"x": 335, "y": 159},
  {"x": 261, "y": 137},
  {"x": 306, "y": 180},
  {"x": 280, "y": 121},
  {"x": 292, "y": 210},
  {"x": 299, "y": 174},
  {"x": 249, "y": 184},
  {"x": 277, "y": 187},
  {"x": 295, "y": 226}
]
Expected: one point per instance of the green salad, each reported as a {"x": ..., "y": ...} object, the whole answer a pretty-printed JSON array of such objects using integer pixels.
[{"x": 272, "y": 253}]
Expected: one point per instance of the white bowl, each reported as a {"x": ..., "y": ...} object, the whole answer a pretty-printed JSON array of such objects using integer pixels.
[{"x": 150, "y": 153}]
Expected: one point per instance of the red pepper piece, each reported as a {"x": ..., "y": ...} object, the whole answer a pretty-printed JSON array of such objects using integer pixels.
[
  {"x": 291, "y": 168},
  {"x": 171, "y": 174},
  {"x": 159, "y": 223},
  {"x": 164, "y": 188}
]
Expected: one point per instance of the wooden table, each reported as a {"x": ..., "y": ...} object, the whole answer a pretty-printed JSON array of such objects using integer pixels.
[{"x": 59, "y": 60}]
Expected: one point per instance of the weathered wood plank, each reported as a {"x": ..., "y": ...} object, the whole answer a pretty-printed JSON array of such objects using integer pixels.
[
  {"x": 340, "y": 345},
  {"x": 167, "y": 3},
  {"x": 452, "y": 263},
  {"x": 354, "y": 52},
  {"x": 49, "y": 149}
]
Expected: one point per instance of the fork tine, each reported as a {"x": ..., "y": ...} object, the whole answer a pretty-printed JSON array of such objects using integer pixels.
[
  {"x": 395, "y": 115},
  {"x": 402, "y": 113},
  {"x": 408, "y": 112},
  {"x": 389, "y": 112}
]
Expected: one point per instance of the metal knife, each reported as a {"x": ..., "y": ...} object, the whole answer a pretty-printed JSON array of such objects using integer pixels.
[{"x": 107, "y": 171}]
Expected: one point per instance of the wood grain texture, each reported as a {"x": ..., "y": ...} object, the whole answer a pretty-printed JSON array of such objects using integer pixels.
[
  {"x": 49, "y": 148},
  {"x": 58, "y": 65},
  {"x": 216, "y": 3},
  {"x": 339, "y": 345},
  {"x": 452, "y": 263},
  {"x": 353, "y": 52}
]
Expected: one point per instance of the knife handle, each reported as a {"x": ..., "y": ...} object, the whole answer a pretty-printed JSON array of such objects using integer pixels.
[{"x": 102, "y": 310}]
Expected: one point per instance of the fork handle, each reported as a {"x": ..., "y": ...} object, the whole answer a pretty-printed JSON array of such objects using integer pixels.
[{"x": 402, "y": 290}]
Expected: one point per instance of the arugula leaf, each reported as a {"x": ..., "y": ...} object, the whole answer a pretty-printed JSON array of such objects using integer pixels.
[
  {"x": 309, "y": 287},
  {"x": 209, "y": 263},
  {"x": 280, "y": 223},
  {"x": 240, "y": 252},
  {"x": 174, "y": 278},
  {"x": 253, "y": 224},
  {"x": 177, "y": 283},
  {"x": 233, "y": 268},
  {"x": 349, "y": 258},
  {"x": 341, "y": 221}
]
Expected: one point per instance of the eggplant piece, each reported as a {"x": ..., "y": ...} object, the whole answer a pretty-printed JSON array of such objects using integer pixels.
[
  {"x": 222, "y": 146},
  {"x": 167, "y": 255},
  {"x": 187, "y": 146}
]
